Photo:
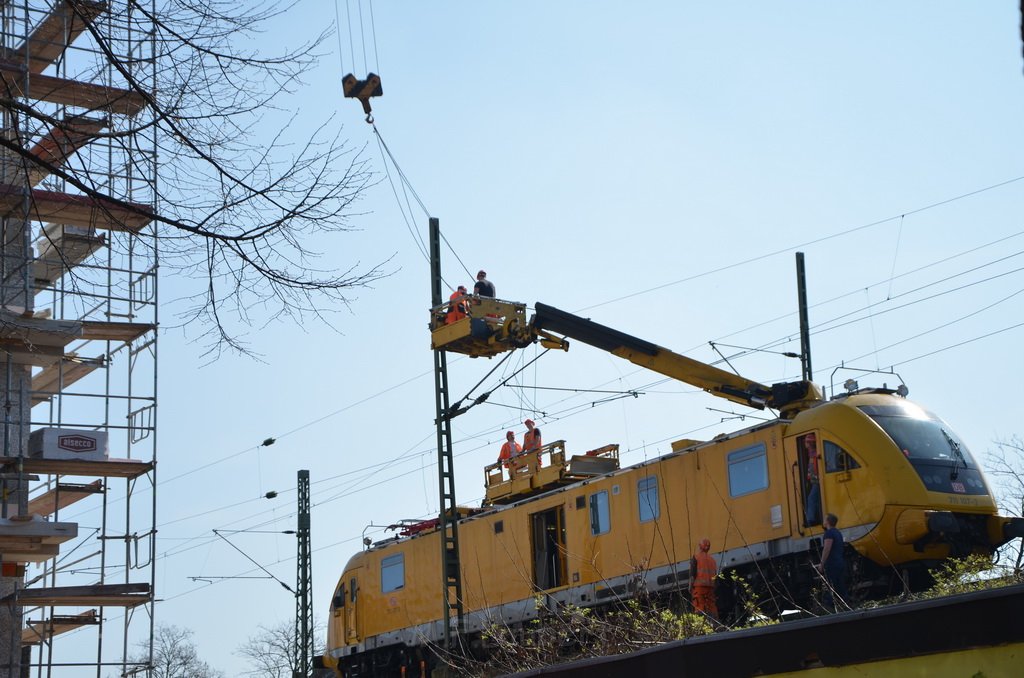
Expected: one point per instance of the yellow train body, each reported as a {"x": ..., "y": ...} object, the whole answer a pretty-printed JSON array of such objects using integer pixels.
[{"x": 906, "y": 491}]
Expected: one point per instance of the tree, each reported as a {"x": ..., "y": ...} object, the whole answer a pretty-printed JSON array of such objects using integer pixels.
[
  {"x": 175, "y": 655},
  {"x": 1006, "y": 466},
  {"x": 245, "y": 206},
  {"x": 271, "y": 650}
]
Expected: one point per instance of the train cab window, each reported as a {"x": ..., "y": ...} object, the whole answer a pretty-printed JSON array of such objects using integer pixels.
[
  {"x": 748, "y": 470},
  {"x": 600, "y": 516},
  {"x": 647, "y": 495},
  {"x": 838, "y": 459},
  {"x": 392, "y": 573},
  {"x": 352, "y": 588},
  {"x": 339, "y": 597}
]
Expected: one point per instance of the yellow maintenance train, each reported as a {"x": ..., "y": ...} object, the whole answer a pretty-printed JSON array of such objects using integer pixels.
[{"x": 559, "y": 528}]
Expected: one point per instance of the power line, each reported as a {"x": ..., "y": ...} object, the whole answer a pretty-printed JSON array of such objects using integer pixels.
[{"x": 808, "y": 243}]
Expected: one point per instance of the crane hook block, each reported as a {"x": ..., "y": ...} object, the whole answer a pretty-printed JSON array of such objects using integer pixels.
[{"x": 363, "y": 90}]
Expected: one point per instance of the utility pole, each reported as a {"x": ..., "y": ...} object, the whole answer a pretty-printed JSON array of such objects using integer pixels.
[
  {"x": 304, "y": 581},
  {"x": 448, "y": 521},
  {"x": 805, "y": 332}
]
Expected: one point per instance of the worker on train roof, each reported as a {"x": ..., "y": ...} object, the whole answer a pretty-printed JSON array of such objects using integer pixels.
[
  {"x": 531, "y": 439},
  {"x": 510, "y": 449}
]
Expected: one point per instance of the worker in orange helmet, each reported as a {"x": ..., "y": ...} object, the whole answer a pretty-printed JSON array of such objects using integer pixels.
[
  {"x": 458, "y": 308},
  {"x": 510, "y": 449},
  {"x": 531, "y": 439},
  {"x": 702, "y": 581}
]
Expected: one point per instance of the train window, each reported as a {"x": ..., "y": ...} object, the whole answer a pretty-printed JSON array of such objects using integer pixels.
[
  {"x": 748, "y": 470},
  {"x": 838, "y": 459},
  {"x": 352, "y": 589},
  {"x": 600, "y": 518},
  {"x": 339, "y": 596},
  {"x": 392, "y": 573},
  {"x": 647, "y": 495}
]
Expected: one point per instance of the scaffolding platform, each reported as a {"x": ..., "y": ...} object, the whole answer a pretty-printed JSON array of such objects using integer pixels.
[
  {"x": 60, "y": 374},
  {"x": 18, "y": 81},
  {"x": 99, "y": 595},
  {"x": 71, "y": 209},
  {"x": 60, "y": 143},
  {"x": 62, "y": 496},
  {"x": 51, "y": 37},
  {"x": 100, "y": 468},
  {"x": 37, "y": 631},
  {"x": 96, "y": 330}
]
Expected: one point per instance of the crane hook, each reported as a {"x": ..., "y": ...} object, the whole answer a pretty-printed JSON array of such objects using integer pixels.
[{"x": 363, "y": 90}]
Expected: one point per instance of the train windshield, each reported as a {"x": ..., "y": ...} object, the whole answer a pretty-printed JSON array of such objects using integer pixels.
[{"x": 932, "y": 447}]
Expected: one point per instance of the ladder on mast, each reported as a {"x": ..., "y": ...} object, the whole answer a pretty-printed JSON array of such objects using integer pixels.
[{"x": 448, "y": 522}]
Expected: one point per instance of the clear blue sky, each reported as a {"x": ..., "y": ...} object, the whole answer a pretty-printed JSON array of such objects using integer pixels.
[{"x": 653, "y": 166}]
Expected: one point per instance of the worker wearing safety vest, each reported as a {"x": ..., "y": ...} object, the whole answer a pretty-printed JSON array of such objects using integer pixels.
[
  {"x": 509, "y": 449},
  {"x": 457, "y": 310},
  {"x": 531, "y": 439},
  {"x": 702, "y": 581}
]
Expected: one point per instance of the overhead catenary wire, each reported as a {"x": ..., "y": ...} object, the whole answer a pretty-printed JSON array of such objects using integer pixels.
[
  {"x": 407, "y": 188},
  {"x": 807, "y": 243}
]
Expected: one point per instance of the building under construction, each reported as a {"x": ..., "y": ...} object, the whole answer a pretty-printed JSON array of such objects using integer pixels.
[{"x": 78, "y": 286}]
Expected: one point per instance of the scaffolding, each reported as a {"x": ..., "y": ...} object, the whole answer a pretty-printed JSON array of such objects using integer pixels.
[{"x": 78, "y": 351}]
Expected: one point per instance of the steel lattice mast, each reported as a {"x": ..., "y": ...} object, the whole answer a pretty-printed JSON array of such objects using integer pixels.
[
  {"x": 448, "y": 520},
  {"x": 303, "y": 584}
]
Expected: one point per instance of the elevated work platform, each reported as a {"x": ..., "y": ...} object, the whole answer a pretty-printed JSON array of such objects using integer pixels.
[
  {"x": 546, "y": 469},
  {"x": 489, "y": 327}
]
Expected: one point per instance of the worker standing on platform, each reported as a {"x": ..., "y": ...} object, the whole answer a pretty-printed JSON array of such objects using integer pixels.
[
  {"x": 483, "y": 286},
  {"x": 531, "y": 439},
  {"x": 702, "y": 581},
  {"x": 510, "y": 449},
  {"x": 457, "y": 307}
]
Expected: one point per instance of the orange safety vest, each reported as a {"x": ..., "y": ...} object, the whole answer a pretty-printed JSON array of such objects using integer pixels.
[
  {"x": 704, "y": 577},
  {"x": 507, "y": 451},
  {"x": 812, "y": 467},
  {"x": 531, "y": 440},
  {"x": 456, "y": 311}
]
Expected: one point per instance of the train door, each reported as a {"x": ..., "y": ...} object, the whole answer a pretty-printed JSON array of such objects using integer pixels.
[
  {"x": 807, "y": 481},
  {"x": 351, "y": 615},
  {"x": 548, "y": 542}
]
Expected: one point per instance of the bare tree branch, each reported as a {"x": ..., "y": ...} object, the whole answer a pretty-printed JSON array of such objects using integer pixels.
[{"x": 246, "y": 210}]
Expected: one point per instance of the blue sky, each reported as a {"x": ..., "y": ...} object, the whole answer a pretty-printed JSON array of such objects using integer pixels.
[{"x": 652, "y": 167}]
